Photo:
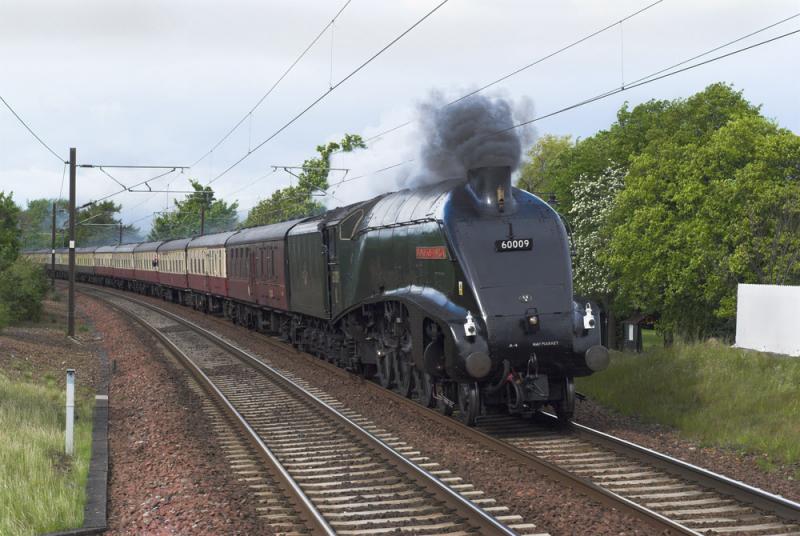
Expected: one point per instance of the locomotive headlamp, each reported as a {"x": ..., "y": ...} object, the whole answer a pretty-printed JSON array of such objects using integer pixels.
[
  {"x": 532, "y": 321},
  {"x": 588, "y": 317},
  {"x": 470, "y": 329}
]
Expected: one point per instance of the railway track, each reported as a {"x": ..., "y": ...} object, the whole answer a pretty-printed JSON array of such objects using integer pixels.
[
  {"x": 673, "y": 496},
  {"x": 701, "y": 501},
  {"x": 341, "y": 475}
]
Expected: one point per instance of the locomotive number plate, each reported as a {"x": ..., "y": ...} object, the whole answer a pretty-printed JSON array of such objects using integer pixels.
[{"x": 514, "y": 244}]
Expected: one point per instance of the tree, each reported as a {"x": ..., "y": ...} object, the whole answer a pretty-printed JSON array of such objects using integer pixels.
[
  {"x": 36, "y": 222},
  {"x": 184, "y": 221},
  {"x": 677, "y": 202},
  {"x": 96, "y": 225},
  {"x": 537, "y": 173},
  {"x": 713, "y": 205},
  {"x": 593, "y": 201},
  {"x": 297, "y": 201},
  {"x": 9, "y": 230}
]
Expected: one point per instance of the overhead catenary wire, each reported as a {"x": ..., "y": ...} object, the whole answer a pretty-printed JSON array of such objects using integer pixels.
[
  {"x": 653, "y": 77},
  {"x": 34, "y": 134},
  {"x": 128, "y": 189},
  {"x": 63, "y": 175},
  {"x": 275, "y": 85},
  {"x": 530, "y": 65},
  {"x": 330, "y": 90},
  {"x": 647, "y": 80}
]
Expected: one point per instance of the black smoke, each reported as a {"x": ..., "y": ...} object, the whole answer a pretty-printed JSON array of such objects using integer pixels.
[{"x": 473, "y": 132}]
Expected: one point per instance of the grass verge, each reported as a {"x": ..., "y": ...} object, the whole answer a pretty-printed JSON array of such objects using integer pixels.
[
  {"x": 718, "y": 395},
  {"x": 41, "y": 490}
]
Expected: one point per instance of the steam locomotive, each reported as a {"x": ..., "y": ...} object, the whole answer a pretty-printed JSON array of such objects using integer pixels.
[{"x": 458, "y": 293}]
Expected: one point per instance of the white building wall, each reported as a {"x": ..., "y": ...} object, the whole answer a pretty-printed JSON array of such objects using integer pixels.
[{"x": 768, "y": 318}]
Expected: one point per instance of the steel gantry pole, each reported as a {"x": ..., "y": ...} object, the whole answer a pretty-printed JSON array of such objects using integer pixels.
[
  {"x": 53, "y": 250},
  {"x": 71, "y": 310}
]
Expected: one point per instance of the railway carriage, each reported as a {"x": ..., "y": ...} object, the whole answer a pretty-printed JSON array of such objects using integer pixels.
[
  {"x": 103, "y": 263},
  {"x": 122, "y": 269},
  {"x": 85, "y": 263},
  {"x": 207, "y": 270},
  {"x": 62, "y": 262},
  {"x": 256, "y": 260},
  {"x": 145, "y": 262},
  {"x": 172, "y": 269}
]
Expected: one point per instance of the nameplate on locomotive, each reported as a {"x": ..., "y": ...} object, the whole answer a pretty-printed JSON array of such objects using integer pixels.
[
  {"x": 514, "y": 244},
  {"x": 431, "y": 252}
]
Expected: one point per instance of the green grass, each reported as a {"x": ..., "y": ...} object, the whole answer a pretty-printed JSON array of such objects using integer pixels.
[
  {"x": 718, "y": 395},
  {"x": 41, "y": 490},
  {"x": 651, "y": 340}
]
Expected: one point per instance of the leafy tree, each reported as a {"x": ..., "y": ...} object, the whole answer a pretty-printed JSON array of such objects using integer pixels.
[
  {"x": 98, "y": 225},
  {"x": 184, "y": 221},
  {"x": 715, "y": 204},
  {"x": 537, "y": 173},
  {"x": 677, "y": 202},
  {"x": 9, "y": 229},
  {"x": 36, "y": 223},
  {"x": 297, "y": 201},
  {"x": 593, "y": 201}
]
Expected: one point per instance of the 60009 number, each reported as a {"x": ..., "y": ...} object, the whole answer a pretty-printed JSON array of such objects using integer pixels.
[{"x": 514, "y": 244}]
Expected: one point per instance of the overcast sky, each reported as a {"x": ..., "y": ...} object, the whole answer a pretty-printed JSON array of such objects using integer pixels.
[{"x": 159, "y": 82}]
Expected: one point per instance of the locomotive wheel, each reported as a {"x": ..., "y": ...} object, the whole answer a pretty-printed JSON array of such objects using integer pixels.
[
  {"x": 385, "y": 370},
  {"x": 469, "y": 403},
  {"x": 403, "y": 374},
  {"x": 565, "y": 409},
  {"x": 425, "y": 388}
]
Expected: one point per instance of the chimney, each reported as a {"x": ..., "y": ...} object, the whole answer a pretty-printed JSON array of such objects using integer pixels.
[{"x": 491, "y": 188}]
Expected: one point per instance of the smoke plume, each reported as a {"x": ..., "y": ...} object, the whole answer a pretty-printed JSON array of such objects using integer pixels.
[
  {"x": 466, "y": 134},
  {"x": 442, "y": 143}
]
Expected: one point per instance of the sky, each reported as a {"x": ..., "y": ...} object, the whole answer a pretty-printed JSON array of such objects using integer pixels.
[{"x": 159, "y": 82}]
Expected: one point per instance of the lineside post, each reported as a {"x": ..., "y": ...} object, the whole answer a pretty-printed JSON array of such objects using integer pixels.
[
  {"x": 53, "y": 250},
  {"x": 71, "y": 306},
  {"x": 69, "y": 433}
]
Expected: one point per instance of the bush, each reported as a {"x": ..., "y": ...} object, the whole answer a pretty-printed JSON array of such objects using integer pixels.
[{"x": 22, "y": 288}]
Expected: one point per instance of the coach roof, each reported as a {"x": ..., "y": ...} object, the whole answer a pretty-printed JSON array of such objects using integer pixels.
[
  {"x": 125, "y": 248},
  {"x": 174, "y": 245},
  {"x": 216, "y": 240},
  {"x": 148, "y": 246},
  {"x": 276, "y": 231}
]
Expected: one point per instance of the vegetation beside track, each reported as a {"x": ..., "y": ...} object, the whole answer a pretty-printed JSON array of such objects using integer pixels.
[
  {"x": 716, "y": 394},
  {"x": 41, "y": 489}
]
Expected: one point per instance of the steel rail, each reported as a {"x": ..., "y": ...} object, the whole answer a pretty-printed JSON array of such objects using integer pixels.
[
  {"x": 307, "y": 509},
  {"x": 473, "y": 513},
  {"x": 743, "y": 492}
]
